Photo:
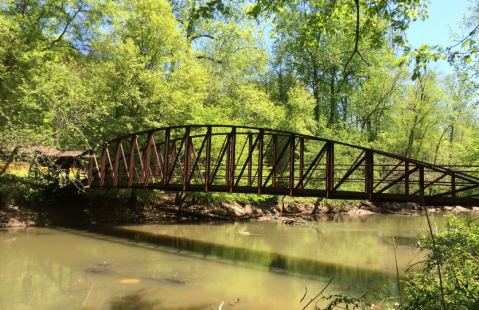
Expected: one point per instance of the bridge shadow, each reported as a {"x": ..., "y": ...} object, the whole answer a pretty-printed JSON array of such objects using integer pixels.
[{"x": 348, "y": 277}]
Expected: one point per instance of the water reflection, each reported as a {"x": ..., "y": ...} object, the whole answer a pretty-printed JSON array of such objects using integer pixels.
[
  {"x": 49, "y": 269},
  {"x": 361, "y": 243},
  {"x": 135, "y": 267}
]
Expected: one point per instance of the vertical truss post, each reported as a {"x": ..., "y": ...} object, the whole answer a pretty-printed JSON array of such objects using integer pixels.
[
  {"x": 250, "y": 156},
  {"x": 146, "y": 174},
  {"x": 291, "y": 164},
  {"x": 102, "y": 167},
  {"x": 260, "y": 159},
  {"x": 187, "y": 158},
  {"x": 90, "y": 169},
  {"x": 421, "y": 181},
  {"x": 369, "y": 174},
  {"x": 406, "y": 180},
  {"x": 172, "y": 164},
  {"x": 116, "y": 172},
  {"x": 453, "y": 185},
  {"x": 157, "y": 162},
  {"x": 208, "y": 158},
  {"x": 166, "y": 154},
  {"x": 131, "y": 167},
  {"x": 275, "y": 142},
  {"x": 233, "y": 158},
  {"x": 228, "y": 158},
  {"x": 301, "y": 162},
  {"x": 329, "y": 169}
]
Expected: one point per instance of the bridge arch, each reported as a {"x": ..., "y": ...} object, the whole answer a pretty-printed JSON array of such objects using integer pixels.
[{"x": 240, "y": 159}]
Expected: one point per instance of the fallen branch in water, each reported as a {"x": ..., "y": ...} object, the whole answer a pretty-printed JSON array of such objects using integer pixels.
[
  {"x": 221, "y": 306},
  {"x": 318, "y": 294},
  {"x": 305, "y": 292},
  {"x": 174, "y": 279}
]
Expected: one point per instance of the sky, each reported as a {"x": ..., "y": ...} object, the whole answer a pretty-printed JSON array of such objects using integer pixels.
[{"x": 435, "y": 30}]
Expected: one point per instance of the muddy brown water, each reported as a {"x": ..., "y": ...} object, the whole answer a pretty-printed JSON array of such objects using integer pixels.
[{"x": 266, "y": 265}]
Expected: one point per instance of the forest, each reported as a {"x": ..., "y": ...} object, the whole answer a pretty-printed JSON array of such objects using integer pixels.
[{"x": 76, "y": 73}]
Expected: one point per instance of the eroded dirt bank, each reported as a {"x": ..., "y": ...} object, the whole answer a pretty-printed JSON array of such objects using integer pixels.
[{"x": 74, "y": 210}]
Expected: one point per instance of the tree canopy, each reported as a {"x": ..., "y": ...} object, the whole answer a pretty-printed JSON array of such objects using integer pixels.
[{"x": 76, "y": 73}]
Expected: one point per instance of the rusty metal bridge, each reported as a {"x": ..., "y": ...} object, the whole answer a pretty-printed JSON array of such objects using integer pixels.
[{"x": 235, "y": 159}]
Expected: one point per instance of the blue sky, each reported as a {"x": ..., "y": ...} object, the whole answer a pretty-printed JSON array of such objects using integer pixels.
[{"x": 435, "y": 30}]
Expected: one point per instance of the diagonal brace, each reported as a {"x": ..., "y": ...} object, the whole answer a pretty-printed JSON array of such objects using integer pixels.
[
  {"x": 398, "y": 180},
  {"x": 358, "y": 162}
]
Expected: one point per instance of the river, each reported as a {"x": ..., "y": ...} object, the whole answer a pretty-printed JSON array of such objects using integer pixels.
[{"x": 266, "y": 265}]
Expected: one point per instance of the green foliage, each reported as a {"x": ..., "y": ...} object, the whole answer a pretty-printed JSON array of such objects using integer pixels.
[
  {"x": 238, "y": 198},
  {"x": 340, "y": 301},
  {"x": 457, "y": 249},
  {"x": 15, "y": 191}
]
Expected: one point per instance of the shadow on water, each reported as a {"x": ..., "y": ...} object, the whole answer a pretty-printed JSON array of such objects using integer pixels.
[
  {"x": 139, "y": 301},
  {"x": 352, "y": 276}
]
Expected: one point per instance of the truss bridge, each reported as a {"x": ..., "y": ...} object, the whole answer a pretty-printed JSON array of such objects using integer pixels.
[{"x": 235, "y": 159}]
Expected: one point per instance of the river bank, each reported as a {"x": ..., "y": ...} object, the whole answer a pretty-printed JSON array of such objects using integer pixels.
[{"x": 81, "y": 210}]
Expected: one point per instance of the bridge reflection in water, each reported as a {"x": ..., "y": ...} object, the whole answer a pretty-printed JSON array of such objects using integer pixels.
[
  {"x": 97, "y": 269},
  {"x": 216, "y": 158}
]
